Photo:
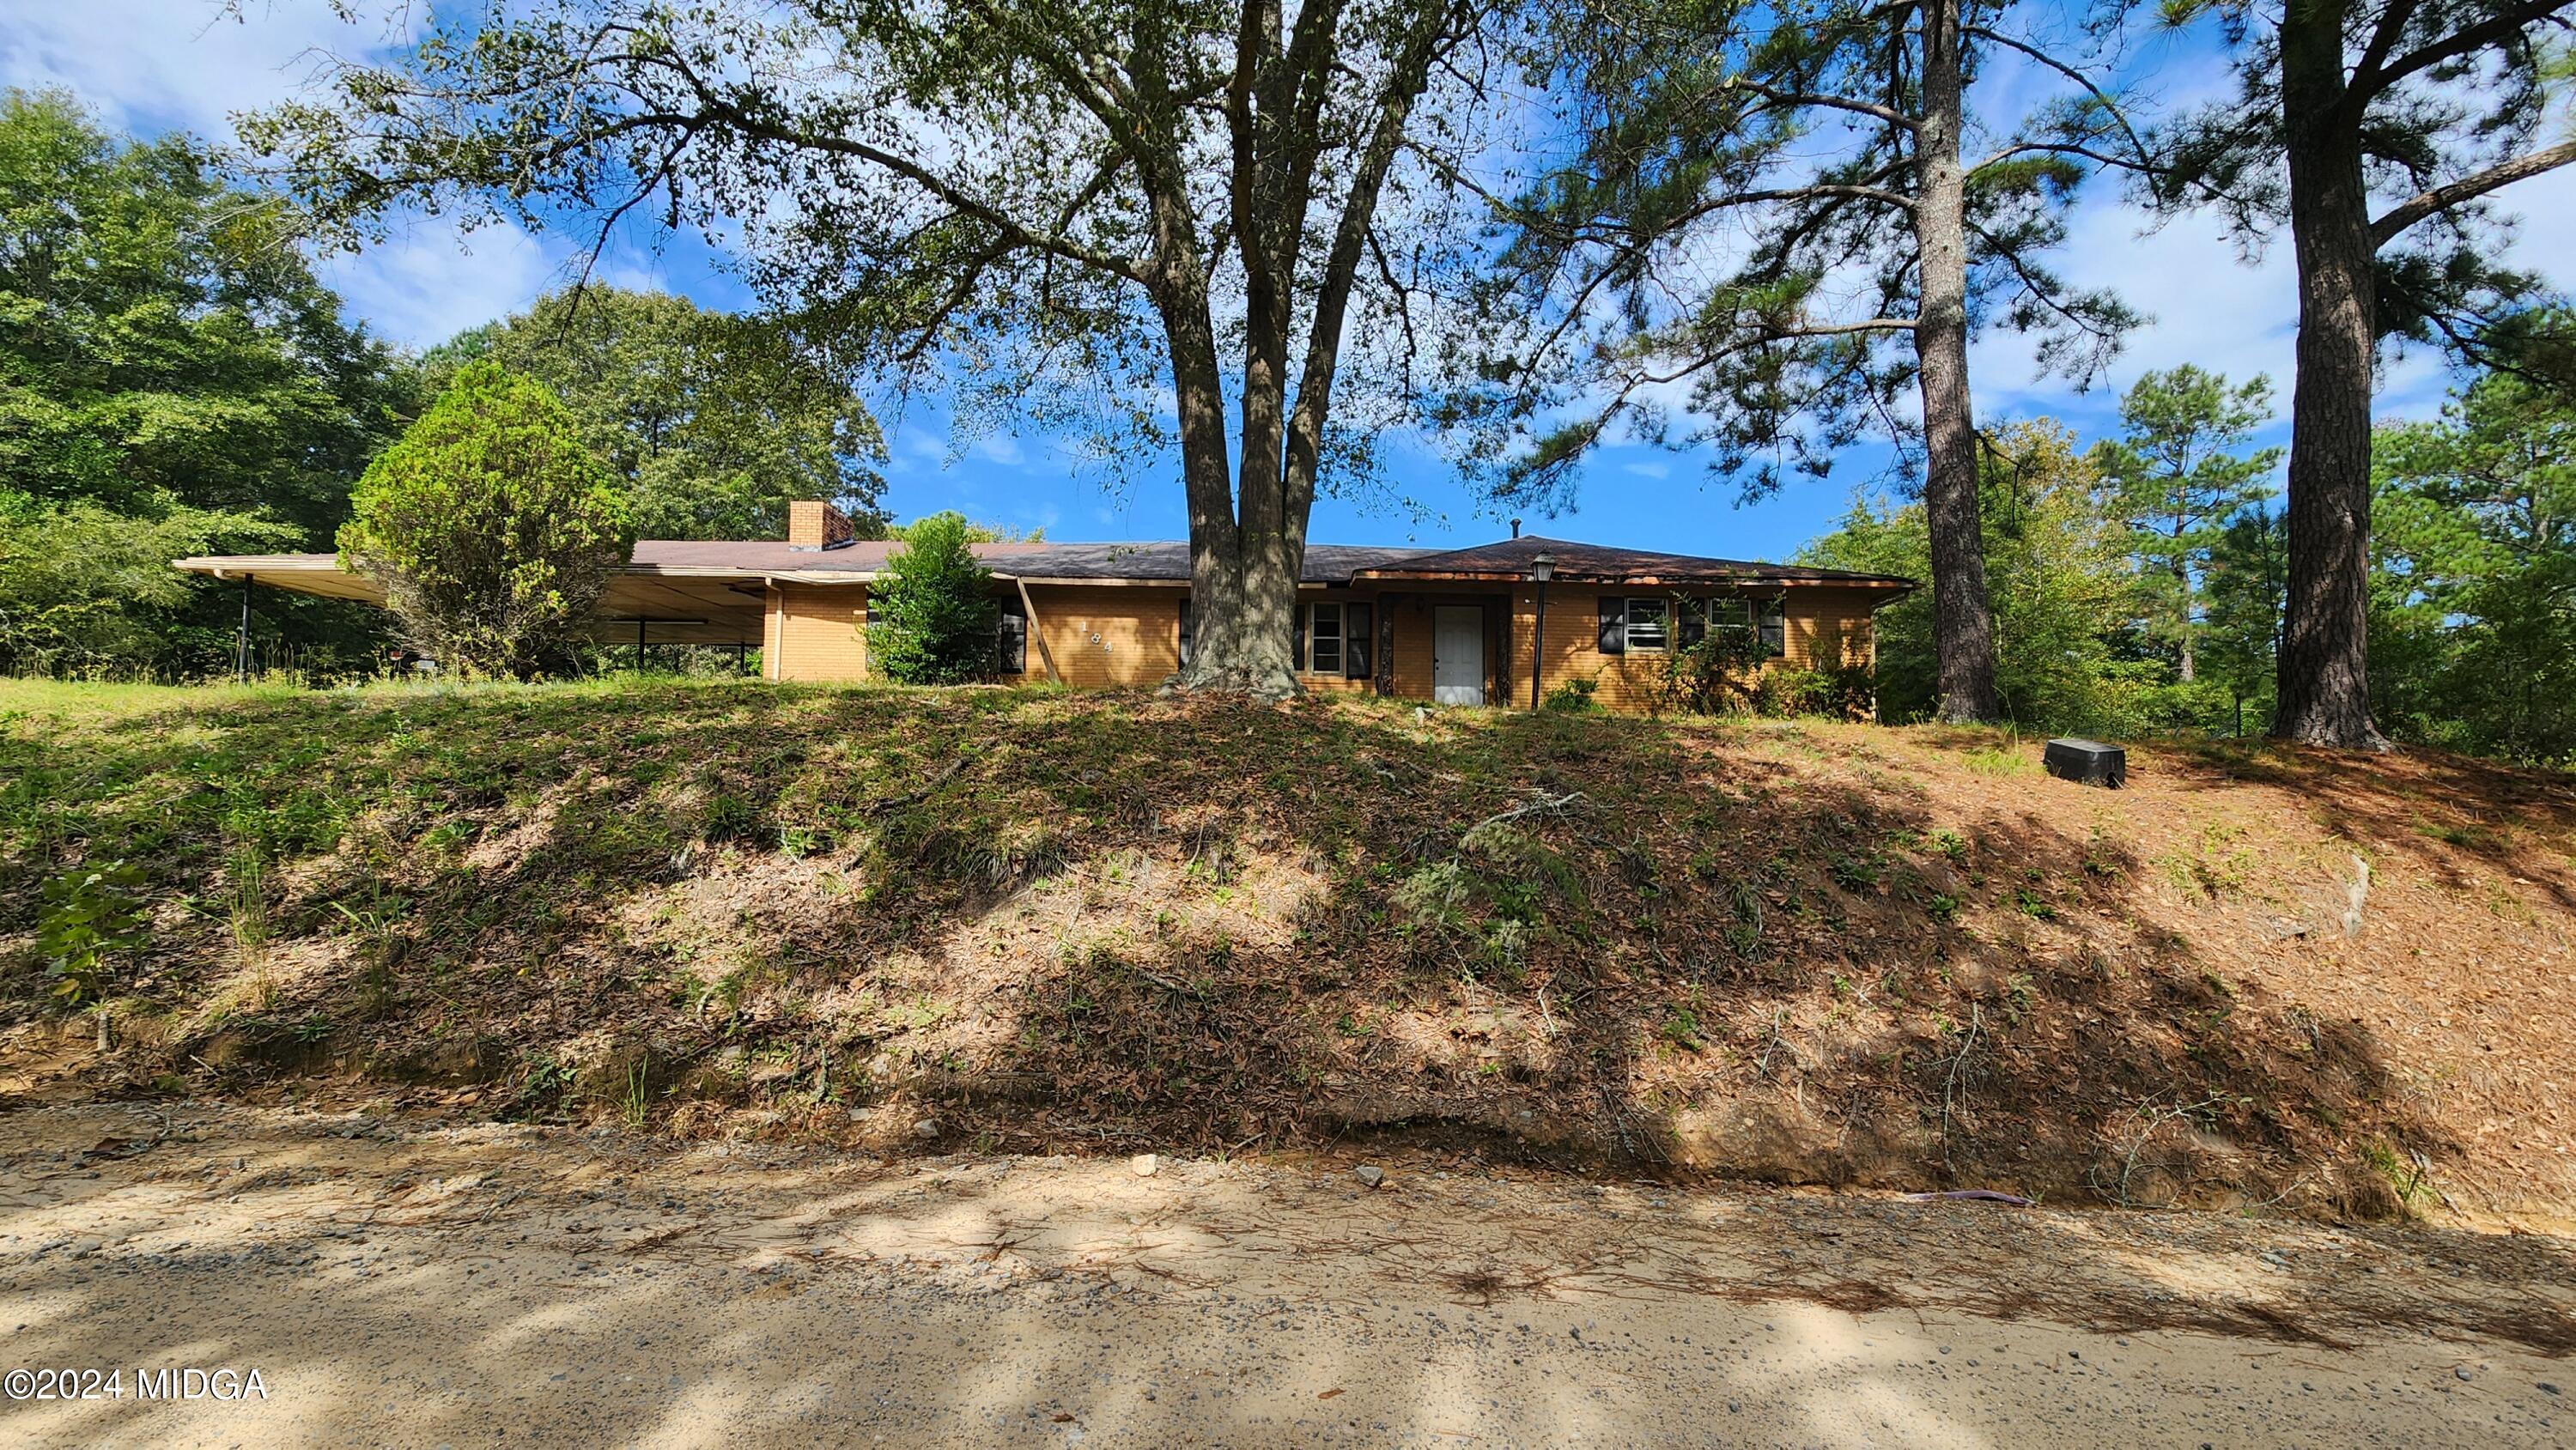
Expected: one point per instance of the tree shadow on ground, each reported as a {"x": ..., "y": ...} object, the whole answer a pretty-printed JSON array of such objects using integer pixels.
[{"x": 1033, "y": 920}]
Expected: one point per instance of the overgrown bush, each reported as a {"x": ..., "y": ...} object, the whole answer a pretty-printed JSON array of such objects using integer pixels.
[
  {"x": 932, "y": 619},
  {"x": 1575, "y": 696},
  {"x": 493, "y": 530}
]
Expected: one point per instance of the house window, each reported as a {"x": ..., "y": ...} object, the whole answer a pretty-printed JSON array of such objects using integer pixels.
[
  {"x": 1324, "y": 639},
  {"x": 1650, "y": 623},
  {"x": 1334, "y": 639},
  {"x": 1011, "y": 641},
  {"x": 1738, "y": 616}
]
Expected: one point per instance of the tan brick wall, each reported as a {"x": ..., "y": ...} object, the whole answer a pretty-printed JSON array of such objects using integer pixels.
[
  {"x": 813, "y": 632},
  {"x": 1104, "y": 635},
  {"x": 1129, "y": 635},
  {"x": 1629, "y": 682}
]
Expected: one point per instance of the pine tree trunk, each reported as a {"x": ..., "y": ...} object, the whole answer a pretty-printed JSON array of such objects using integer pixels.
[
  {"x": 2188, "y": 670},
  {"x": 1963, "y": 626},
  {"x": 2324, "y": 678}
]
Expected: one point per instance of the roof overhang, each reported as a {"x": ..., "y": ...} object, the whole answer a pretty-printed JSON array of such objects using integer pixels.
[
  {"x": 1640, "y": 581},
  {"x": 674, "y": 605}
]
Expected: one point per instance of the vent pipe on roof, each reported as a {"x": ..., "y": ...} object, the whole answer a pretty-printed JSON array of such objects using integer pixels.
[{"x": 1516, "y": 528}]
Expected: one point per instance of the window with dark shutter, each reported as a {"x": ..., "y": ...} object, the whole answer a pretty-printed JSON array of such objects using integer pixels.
[
  {"x": 1297, "y": 642},
  {"x": 1775, "y": 627},
  {"x": 1693, "y": 619},
  {"x": 1011, "y": 642},
  {"x": 1614, "y": 625},
  {"x": 1359, "y": 641}
]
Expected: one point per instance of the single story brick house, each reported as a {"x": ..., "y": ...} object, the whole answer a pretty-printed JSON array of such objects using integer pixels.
[{"x": 1452, "y": 626}]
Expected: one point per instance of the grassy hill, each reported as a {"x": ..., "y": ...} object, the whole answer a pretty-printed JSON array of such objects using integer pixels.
[{"x": 1800, "y": 952}]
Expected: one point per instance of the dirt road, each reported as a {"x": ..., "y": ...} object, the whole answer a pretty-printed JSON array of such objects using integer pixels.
[{"x": 407, "y": 1283}]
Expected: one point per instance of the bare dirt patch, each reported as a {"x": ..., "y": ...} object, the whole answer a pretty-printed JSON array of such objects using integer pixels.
[{"x": 400, "y": 1281}]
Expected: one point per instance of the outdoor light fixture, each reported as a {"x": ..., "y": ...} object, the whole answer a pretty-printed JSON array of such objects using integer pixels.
[{"x": 1542, "y": 569}]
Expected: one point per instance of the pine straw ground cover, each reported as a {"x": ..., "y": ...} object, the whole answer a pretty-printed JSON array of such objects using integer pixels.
[{"x": 1798, "y": 952}]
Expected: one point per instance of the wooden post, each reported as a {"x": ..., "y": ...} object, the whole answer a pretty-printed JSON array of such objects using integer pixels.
[
  {"x": 1029, "y": 612},
  {"x": 1386, "y": 644},
  {"x": 241, "y": 642}
]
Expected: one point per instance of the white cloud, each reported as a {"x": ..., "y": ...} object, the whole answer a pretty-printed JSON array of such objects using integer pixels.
[
  {"x": 153, "y": 65},
  {"x": 429, "y": 281},
  {"x": 2205, "y": 304}
]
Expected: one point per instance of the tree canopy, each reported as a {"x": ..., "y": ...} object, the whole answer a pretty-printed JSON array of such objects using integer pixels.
[
  {"x": 2181, "y": 470},
  {"x": 2372, "y": 132},
  {"x": 715, "y": 422},
  {"x": 1822, "y": 148},
  {"x": 173, "y": 380}
]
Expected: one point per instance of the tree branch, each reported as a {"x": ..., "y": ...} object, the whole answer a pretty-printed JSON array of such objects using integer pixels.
[
  {"x": 2367, "y": 84},
  {"x": 2136, "y": 144},
  {"x": 1888, "y": 114},
  {"x": 2468, "y": 188}
]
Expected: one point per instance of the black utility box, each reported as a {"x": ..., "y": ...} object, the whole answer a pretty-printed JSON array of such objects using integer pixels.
[{"x": 2089, "y": 762}]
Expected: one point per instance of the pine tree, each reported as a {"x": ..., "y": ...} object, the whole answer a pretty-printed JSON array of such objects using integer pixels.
[
  {"x": 1834, "y": 133},
  {"x": 2440, "y": 102},
  {"x": 490, "y": 526},
  {"x": 2176, "y": 476}
]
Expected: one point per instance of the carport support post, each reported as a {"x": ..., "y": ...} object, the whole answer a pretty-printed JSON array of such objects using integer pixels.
[
  {"x": 241, "y": 640},
  {"x": 639, "y": 644}
]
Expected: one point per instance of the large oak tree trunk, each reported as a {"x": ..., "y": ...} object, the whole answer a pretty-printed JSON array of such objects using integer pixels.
[
  {"x": 1963, "y": 625},
  {"x": 2324, "y": 676}
]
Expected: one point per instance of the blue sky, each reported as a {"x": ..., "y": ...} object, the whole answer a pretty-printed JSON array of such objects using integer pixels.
[{"x": 155, "y": 65}]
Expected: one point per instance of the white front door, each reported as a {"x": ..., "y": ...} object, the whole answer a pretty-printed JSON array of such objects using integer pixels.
[{"x": 1458, "y": 654}]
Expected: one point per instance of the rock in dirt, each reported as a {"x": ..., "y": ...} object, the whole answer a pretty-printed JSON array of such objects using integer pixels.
[
  {"x": 1144, "y": 1165},
  {"x": 925, "y": 1129},
  {"x": 1370, "y": 1175}
]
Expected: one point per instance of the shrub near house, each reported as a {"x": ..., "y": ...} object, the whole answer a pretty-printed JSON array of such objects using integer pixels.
[{"x": 490, "y": 529}]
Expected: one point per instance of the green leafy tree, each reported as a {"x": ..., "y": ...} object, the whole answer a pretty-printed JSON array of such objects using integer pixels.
[
  {"x": 84, "y": 588},
  {"x": 1148, "y": 215},
  {"x": 2339, "y": 103},
  {"x": 169, "y": 367},
  {"x": 2063, "y": 589},
  {"x": 715, "y": 422},
  {"x": 2474, "y": 604},
  {"x": 490, "y": 526},
  {"x": 1825, "y": 143},
  {"x": 932, "y": 619},
  {"x": 2180, "y": 471}
]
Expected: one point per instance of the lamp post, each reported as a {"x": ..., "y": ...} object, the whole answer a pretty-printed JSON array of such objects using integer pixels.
[{"x": 1542, "y": 569}]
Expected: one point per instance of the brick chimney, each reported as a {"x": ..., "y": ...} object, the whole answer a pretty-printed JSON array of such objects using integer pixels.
[{"x": 812, "y": 524}]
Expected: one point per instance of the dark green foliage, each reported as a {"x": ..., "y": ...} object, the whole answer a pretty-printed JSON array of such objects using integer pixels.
[
  {"x": 173, "y": 381},
  {"x": 931, "y": 614},
  {"x": 714, "y": 422},
  {"x": 2247, "y": 581},
  {"x": 493, "y": 530}
]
